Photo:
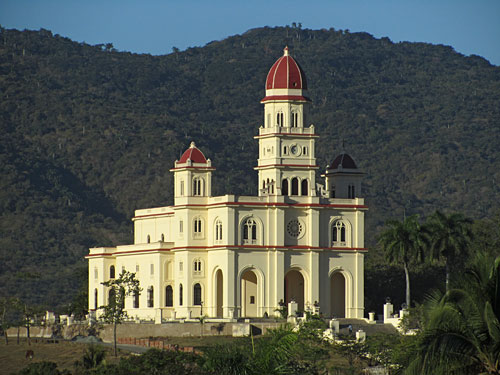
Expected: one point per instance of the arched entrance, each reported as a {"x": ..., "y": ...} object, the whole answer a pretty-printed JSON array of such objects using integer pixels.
[
  {"x": 218, "y": 294},
  {"x": 249, "y": 293},
  {"x": 337, "y": 295},
  {"x": 294, "y": 288}
]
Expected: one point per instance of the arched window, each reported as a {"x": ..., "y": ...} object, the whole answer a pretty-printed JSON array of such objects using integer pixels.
[
  {"x": 285, "y": 150},
  {"x": 279, "y": 119},
  {"x": 332, "y": 192},
  {"x": 182, "y": 187},
  {"x": 218, "y": 230},
  {"x": 198, "y": 186},
  {"x": 197, "y": 294},
  {"x": 180, "y": 295},
  {"x": 112, "y": 272},
  {"x": 272, "y": 186},
  {"x": 150, "y": 296},
  {"x": 197, "y": 227},
  {"x": 295, "y": 186},
  {"x": 169, "y": 296},
  {"x": 197, "y": 266},
  {"x": 250, "y": 231},
  {"x": 162, "y": 239},
  {"x": 284, "y": 187},
  {"x": 304, "y": 150},
  {"x": 148, "y": 239},
  {"x": 339, "y": 233},
  {"x": 96, "y": 301},
  {"x": 295, "y": 119},
  {"x": 304, "y": 187},
  {"x": 351, "y": 193},
  {"x": 136, "y": 299}
]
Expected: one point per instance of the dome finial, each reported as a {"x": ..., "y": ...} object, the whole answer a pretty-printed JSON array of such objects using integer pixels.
[
  {"x": 192, "y": 145},
  {"x": 285, "y": 51}
]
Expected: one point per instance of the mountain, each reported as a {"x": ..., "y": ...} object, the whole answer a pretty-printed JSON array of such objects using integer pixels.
[{"x": 88, "y": 134}]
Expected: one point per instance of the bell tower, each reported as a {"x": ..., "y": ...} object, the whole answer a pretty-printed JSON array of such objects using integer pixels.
[{"x": 286, "y": 164}]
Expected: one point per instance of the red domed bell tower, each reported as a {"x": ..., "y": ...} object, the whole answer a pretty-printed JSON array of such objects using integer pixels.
[{"x": 286, "y": 162}]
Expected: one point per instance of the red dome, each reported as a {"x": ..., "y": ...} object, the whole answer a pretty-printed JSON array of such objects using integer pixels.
[
  {"x": 194, "y": 154},
  {"x": 286, "y": 74}
]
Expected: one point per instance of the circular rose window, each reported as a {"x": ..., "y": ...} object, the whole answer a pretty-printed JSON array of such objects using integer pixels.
[{"x": 295, "y": 228}]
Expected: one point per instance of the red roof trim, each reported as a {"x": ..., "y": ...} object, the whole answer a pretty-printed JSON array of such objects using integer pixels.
[
  {"x": 276, "y": 205},
  {"x": 290, "y": 134},
  {"x": 128, "y": 252},
  {"x": 162, "y": 214},
  {"x": 287, "y": 165},
  {"x": 272, "y": 247},
  {"x": 298, "y": 98},
  {"x": 191, "y": 167}
]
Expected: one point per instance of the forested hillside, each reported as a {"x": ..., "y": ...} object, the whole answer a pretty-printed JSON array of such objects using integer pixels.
[{"x": 88, "y": 134}]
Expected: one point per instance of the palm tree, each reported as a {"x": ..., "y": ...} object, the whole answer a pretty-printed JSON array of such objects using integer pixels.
[
  {"x": 450, "y": 238},
  {"x": 404, "y": 242},
  {"x": 461, "y": 333}
]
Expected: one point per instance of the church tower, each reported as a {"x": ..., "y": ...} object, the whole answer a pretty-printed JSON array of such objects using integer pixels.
[
  {"x": 192, "y": 174},
  {"x": 286, "y": 164}
]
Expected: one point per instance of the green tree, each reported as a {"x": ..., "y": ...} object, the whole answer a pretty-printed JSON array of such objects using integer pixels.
[
  {"x": 7, "y": 310},
  {"x": 404, "y": 242},
  {"x": 461, "y": 332},
  {"x": 450, "y": 238},
  {"x": 119, "y": 289}
]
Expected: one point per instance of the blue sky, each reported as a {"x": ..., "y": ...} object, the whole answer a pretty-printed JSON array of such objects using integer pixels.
[{"x": 155, "y": 26}]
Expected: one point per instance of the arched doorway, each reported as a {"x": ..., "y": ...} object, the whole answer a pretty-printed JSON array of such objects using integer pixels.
[
  {"x": 294, "y": 288},
  {"x": 337, "y": 295},
  {"x": 249, "y": 293},
  {"x": 218, "y": 294}
]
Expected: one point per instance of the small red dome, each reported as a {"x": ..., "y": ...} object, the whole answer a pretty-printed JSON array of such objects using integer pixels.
[
  {"x": 286, "y": 74},
  {"x": 194, "y": 154}
]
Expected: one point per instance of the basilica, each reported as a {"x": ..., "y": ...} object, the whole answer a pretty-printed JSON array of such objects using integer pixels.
[{"x": 235, "y": 256}]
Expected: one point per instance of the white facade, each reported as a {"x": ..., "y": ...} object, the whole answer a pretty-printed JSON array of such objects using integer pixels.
[{"x": 240, "y": 256}]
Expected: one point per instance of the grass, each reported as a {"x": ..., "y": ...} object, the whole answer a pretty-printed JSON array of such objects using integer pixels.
[{"x": 64, "y": 353}]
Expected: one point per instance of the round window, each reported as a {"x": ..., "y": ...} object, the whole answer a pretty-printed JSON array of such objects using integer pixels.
[{"x": 295, "y": 228}]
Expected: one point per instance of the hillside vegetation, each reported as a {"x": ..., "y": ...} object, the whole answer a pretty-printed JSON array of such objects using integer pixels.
[{"x": 88, "y": 134}]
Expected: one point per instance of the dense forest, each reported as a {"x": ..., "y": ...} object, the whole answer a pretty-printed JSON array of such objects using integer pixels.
[{"x": 88, "y": 135}]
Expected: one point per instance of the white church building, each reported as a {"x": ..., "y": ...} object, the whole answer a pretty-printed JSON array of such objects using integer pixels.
[{"x": 244, "y": 256}]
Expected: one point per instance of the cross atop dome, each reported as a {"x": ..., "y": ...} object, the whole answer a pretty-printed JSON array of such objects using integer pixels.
[{"x": 285, "y": 51}]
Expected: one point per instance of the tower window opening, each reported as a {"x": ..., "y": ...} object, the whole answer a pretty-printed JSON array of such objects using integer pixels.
[
  {"x": 180, "y": 295},
  {"x": 250, "y": 231},
  {"x": 162, "y": 239},
  {"x": 218, "y": 230},
  {"x": 304, "y": 150},
  {"x": 148, "y": 239},
  {"x": 295, "y": 119},
  {"x": 339, "y": 233},
  {"x": 268, "y": 125},
  {"x": 351, "y": 193},
  {"x": 198, "y": 187},
  {"x": 279, "y": 119},
  {"x": 332, "y": 192},
  {"x": 304, "y": 187},
  {"x": 284, "y": 187},
  {"x": 285, "y": 150},
  {"x": 182, "y": 188},
  {"x": 198, "y": 229},
  {"x": 295, "y": 186},
  {"x": 96, "y": 304},
  {"x": 112, "y": 272}
]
